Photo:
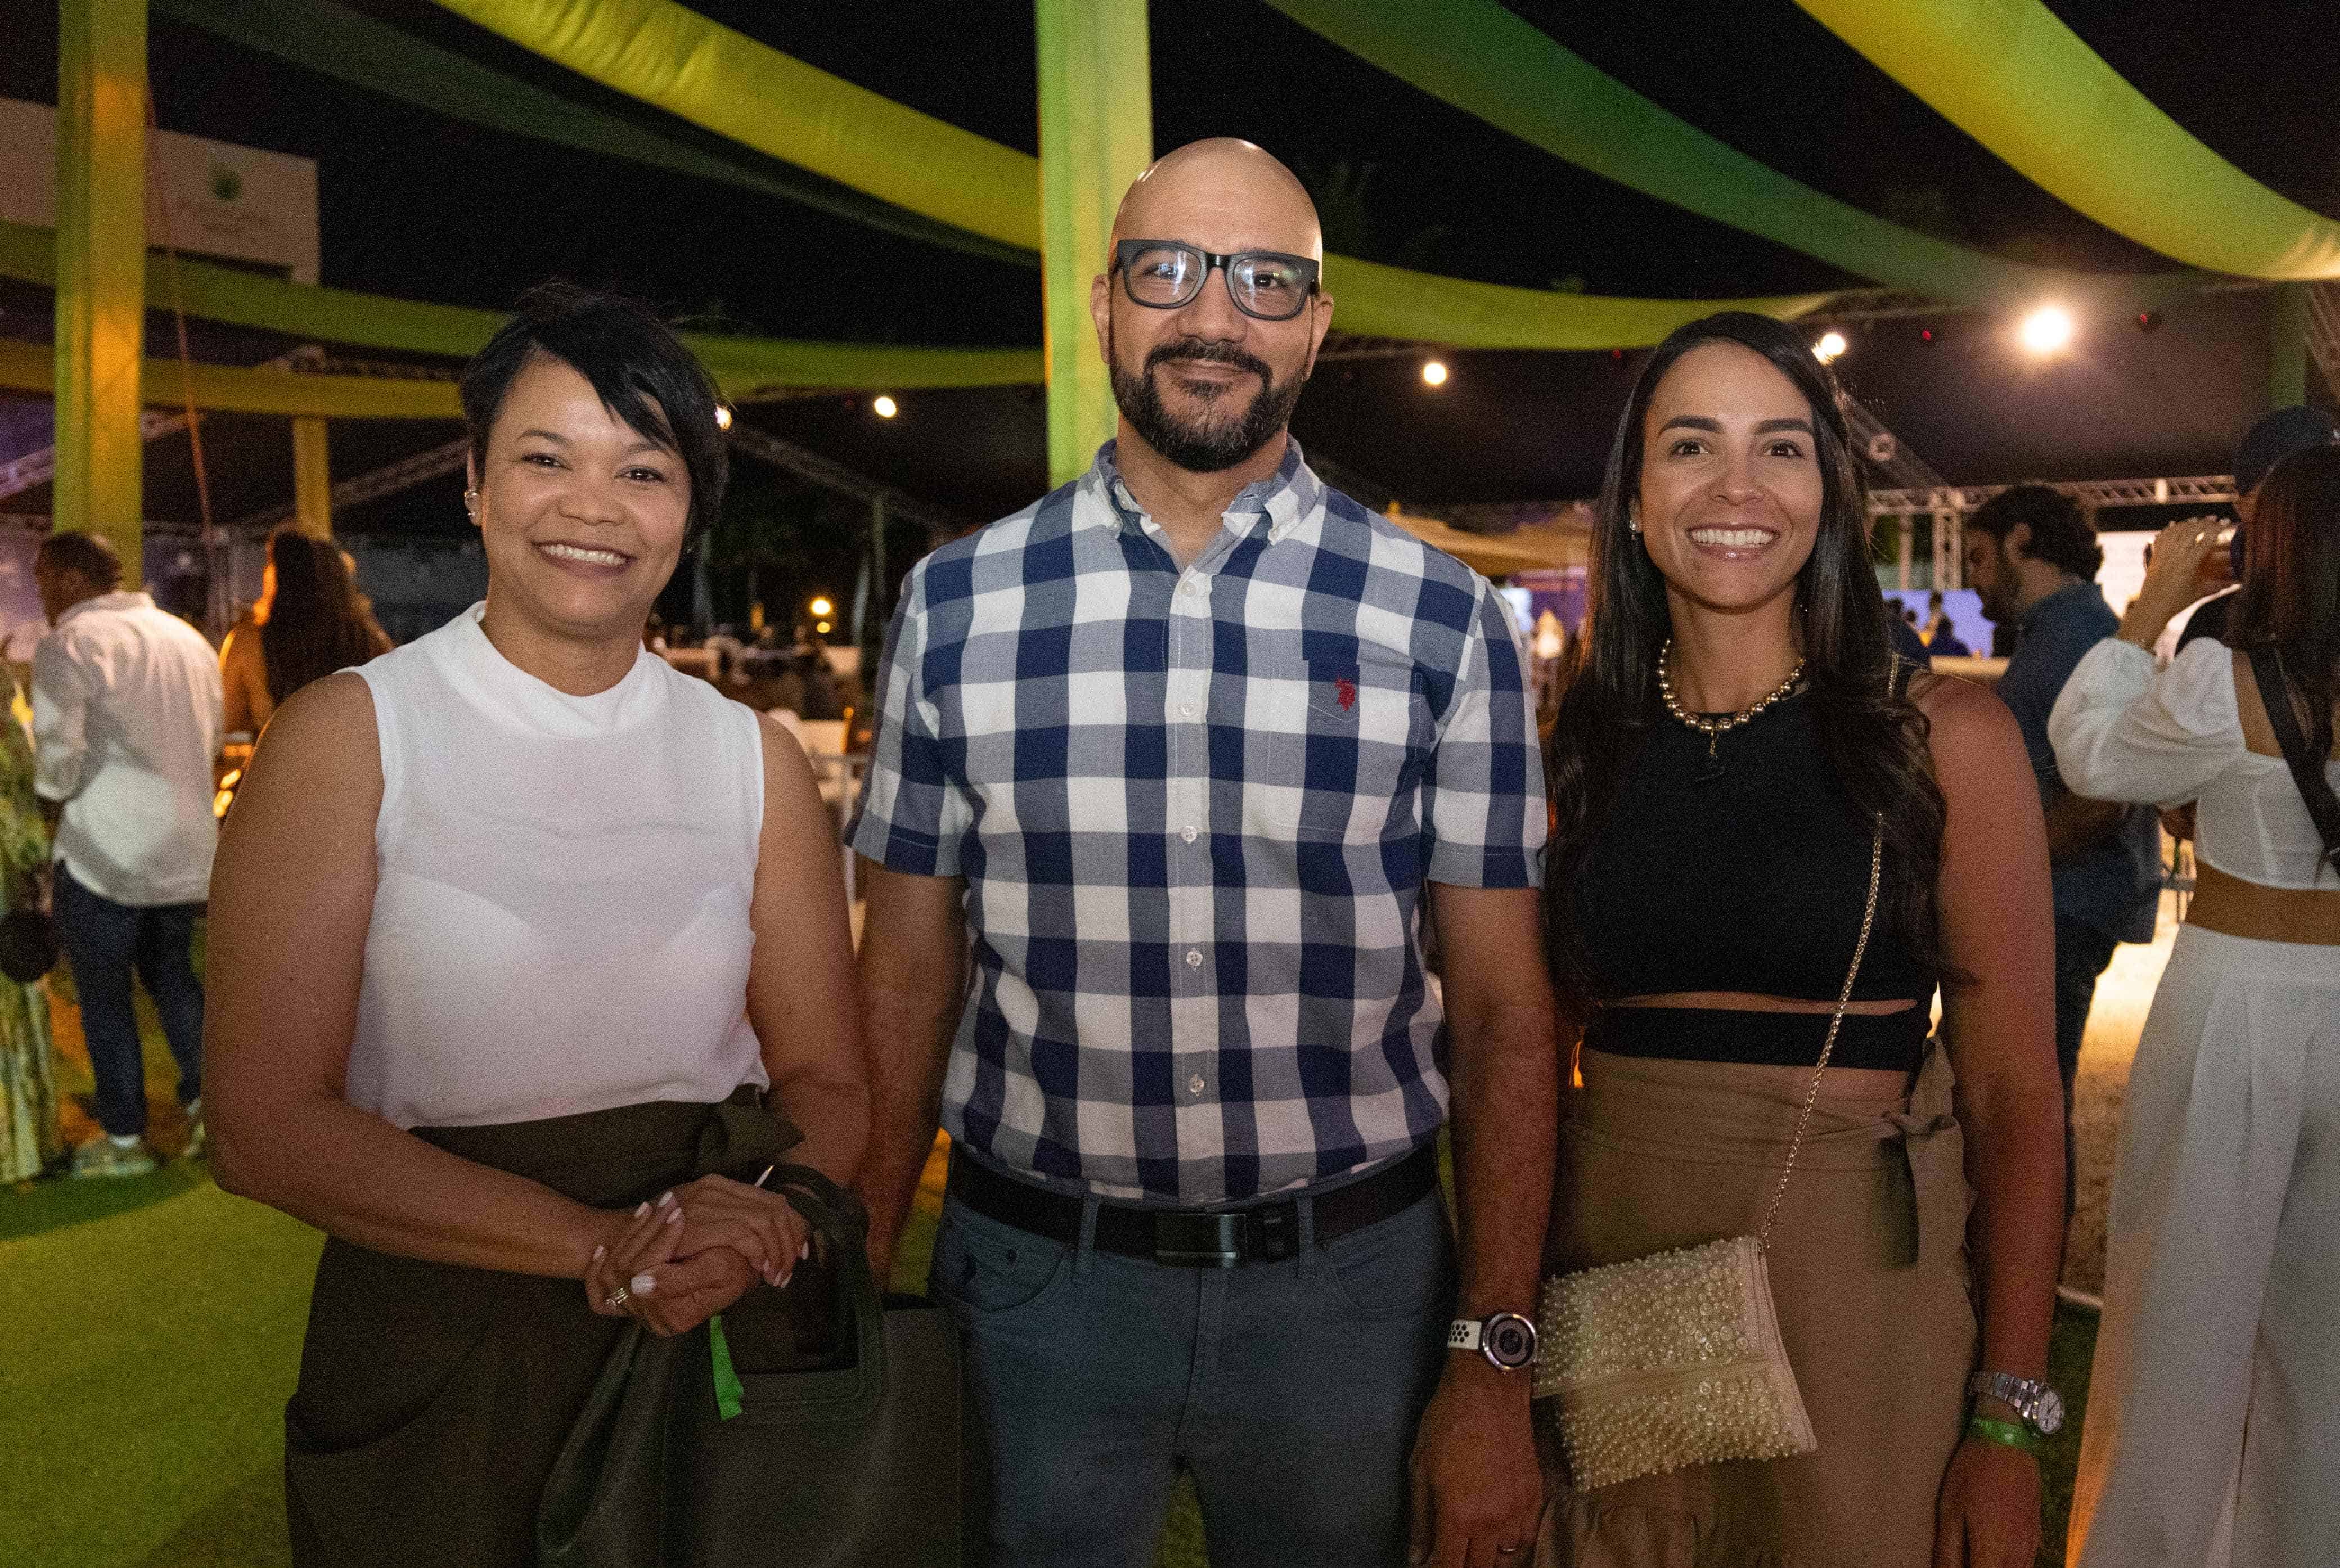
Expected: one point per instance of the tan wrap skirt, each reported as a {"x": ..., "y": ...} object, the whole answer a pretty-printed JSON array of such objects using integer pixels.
[{"x": 1869, "y": 1272}]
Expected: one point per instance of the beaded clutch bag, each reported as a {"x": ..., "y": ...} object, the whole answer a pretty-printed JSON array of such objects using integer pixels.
[{"x": 1675, "y": 1359}]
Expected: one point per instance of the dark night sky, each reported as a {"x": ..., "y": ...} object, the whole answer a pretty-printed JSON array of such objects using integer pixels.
[{"x": 418, "y": 206}]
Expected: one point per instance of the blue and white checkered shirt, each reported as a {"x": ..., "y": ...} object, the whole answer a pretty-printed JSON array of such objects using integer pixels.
[{"x": 1195, "y": 810}]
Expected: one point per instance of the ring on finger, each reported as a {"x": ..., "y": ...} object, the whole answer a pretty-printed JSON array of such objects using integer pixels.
[{"x": 615, "y": 1300}]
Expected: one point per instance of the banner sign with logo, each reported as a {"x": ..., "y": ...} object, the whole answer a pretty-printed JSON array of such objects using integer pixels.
[{"x": 208, "y": 198}]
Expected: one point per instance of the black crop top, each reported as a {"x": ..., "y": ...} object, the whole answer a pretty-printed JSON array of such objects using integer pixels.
[{"x": 1753, "y": 881}]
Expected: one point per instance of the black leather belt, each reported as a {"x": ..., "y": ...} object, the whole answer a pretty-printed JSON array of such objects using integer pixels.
[{"x": 1197, "y": 1238}]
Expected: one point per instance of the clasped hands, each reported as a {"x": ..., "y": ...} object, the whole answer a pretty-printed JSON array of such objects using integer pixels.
[{"x": 677, "y": 1261}]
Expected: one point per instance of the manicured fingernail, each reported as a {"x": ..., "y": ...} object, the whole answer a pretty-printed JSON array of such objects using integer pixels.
[
  {"x": 782, "y": 1282},
  {"x": 597, "y": 1251},
  {"x": 642, "y": 1210},
  {"x": 665, "y": 1197},
  {"x": 643, "y": 1285},
  {"x": 805, "y": 1250},
  {"x": 674, "y": 1214}
]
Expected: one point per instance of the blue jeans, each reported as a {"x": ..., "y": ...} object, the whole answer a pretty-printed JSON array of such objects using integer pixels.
[
  {"x": 1290, "y": 1391},
  {"x": 105, "y": 941}
]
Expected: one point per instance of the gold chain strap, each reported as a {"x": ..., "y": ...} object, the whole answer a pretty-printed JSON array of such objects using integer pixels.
[{"x": 1844, "y": 1000}]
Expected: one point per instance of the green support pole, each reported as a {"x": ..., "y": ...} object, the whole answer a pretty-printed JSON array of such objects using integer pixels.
[
  {"x": 101, "y": 289},
  {"x": 312, "y": 477},
  {"x": 1097, "y": 136},
  {"x": 2287, "y": 367}
]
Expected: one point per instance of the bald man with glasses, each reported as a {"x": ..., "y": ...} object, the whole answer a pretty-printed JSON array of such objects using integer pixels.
[{"x": 1184, "y": 754}]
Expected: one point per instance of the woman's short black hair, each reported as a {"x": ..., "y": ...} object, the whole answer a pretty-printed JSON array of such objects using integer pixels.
[
  {"x": 2061, "y": 534},
  {"x": 634, "y": 361}
]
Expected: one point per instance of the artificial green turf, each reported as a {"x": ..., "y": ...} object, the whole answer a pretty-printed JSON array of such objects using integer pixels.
[
  {"x": 155, "y": 1329},
  {"x": 150, "y": 1353}
]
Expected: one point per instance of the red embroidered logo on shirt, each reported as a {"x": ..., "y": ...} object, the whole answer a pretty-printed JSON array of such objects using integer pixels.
[{"x": 1346, "y": 689}]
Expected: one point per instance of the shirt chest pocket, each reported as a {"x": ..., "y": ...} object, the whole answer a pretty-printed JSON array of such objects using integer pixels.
[{"x": 1348, "y": 731}]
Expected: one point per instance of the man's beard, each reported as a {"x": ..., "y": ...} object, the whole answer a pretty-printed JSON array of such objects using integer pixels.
[{"x": 1207, "y": 445}]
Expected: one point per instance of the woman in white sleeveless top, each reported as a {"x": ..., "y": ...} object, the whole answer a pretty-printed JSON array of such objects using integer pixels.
[
  {"x": 2213, "y": 1427},
  {"x": 510, "y": 930}
]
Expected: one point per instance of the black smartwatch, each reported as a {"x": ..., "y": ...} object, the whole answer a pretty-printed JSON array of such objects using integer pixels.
[{"x": 1506, "y": 1339}]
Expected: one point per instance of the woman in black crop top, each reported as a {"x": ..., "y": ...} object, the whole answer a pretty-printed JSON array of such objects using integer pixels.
[{"x": 1734, "y": 734}]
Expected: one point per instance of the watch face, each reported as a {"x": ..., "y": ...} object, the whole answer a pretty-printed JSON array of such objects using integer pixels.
[
  {"x": 2048, "y": 1413},
  {"x": 1509, "y": 1340}
]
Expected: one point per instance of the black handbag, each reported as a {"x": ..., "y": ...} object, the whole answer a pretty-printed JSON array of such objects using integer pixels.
[
  {"x": 2306, "y": 772},
  {"x": 852, "y": 1461},
  {"x": 28, "y": 943}
]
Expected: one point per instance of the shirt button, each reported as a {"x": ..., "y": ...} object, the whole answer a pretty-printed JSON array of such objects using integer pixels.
[
  {"x": 1193, "y": 957},
  {"x": 1186, "y": 711},
  {"x": 1195, "y": 1085},
  {"x": 1186, "y": 833},
  {"x": 1192, "y": 585}
]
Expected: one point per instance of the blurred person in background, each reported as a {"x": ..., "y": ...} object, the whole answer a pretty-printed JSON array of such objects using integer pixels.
[
  {"x": 310, "y": 621},
  {"x": 1945, "y": 642},
  {"x": 125, "y": 727},
  {"x": 30, "y": 1138},
  {"x": 2213, "y": 1428},
  {"x": 528, "y": 951},
  {"x": 2281, "y": 433},
  {"x": 2033, "y": 558}
]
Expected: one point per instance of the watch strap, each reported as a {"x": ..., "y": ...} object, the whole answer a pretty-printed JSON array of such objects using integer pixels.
[
  {"x": 1466, "y": 1334},
  {"x": 2023, "y": 1393},
  {"x": 2006, "y": 1433}
]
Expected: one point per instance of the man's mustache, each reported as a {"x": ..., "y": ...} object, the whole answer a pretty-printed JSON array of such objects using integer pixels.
[{"x": 1198, "y": 350}]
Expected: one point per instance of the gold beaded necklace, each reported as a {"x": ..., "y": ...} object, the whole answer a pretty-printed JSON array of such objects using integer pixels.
[{"x": 1712, "y": 729}]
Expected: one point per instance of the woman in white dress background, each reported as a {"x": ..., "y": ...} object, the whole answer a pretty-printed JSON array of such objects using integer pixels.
[{"x": 2213, "y": 1428}]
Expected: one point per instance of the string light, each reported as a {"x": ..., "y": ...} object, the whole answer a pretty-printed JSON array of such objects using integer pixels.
[
  {"x": 723, "y": 416},
  {"x": 1434, "y": 373},
  {"x": 1830, "y": 346},
  {"x": 2048, "y": 330},
  {"x": 820, "y": 607},
  {"x": 884, "y": 407}
]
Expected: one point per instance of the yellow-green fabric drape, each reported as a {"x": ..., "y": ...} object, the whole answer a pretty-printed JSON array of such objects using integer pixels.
[
  {"x": 665, "y": 55},
  {"x": 2018, "y": 80}
]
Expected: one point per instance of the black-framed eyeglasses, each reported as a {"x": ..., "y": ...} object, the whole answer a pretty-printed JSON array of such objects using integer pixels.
[{"x": 1163, "y": 274}]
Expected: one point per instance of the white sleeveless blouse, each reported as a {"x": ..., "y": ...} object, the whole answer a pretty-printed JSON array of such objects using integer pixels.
[{"x": 561, "y": 922}]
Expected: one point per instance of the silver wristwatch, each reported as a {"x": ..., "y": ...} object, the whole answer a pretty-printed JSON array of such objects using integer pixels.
[
  {"x": 1506, "y": 1339},
  {"x": 2041, "y": 1408}
]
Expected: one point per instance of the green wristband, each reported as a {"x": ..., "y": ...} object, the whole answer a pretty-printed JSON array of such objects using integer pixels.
[{"x": 2006, "y": 1433}]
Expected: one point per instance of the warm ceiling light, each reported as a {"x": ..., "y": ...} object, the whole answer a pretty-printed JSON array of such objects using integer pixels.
[
  {"x": 723, "y": 416},
  {"x": 1434, "y": 373},
  {"x": 1830, "y": 346},
  {"x": 884, "y": 407},
  {"x": 2048, "y": 330},
  {"x": 820, "y": 607}
]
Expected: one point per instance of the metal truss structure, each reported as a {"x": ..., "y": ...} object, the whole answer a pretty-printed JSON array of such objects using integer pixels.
[
  {"x": 2096, "y": 494},
  {"x": 36, "y": 468},
  {"x": 806, "y": 463},
  {"x": 373, "y": 485}
]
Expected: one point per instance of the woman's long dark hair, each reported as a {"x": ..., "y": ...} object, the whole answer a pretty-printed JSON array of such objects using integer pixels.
[
  {"x": 2290, "y": 598},
  {"x": 1872, "y": 738},
  {"x": 317, "y": 620}
]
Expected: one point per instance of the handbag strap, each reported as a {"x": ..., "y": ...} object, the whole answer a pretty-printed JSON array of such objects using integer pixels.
[
  {"x": 1836, "y": 1022},
  {"x": 2275, "y": 696}
]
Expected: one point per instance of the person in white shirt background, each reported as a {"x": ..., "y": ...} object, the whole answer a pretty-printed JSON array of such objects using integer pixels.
[{"x": 126, "y": 726}]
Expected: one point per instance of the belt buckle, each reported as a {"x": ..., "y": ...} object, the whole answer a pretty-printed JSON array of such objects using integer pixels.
[{"x": 1198, "y": 1240}]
